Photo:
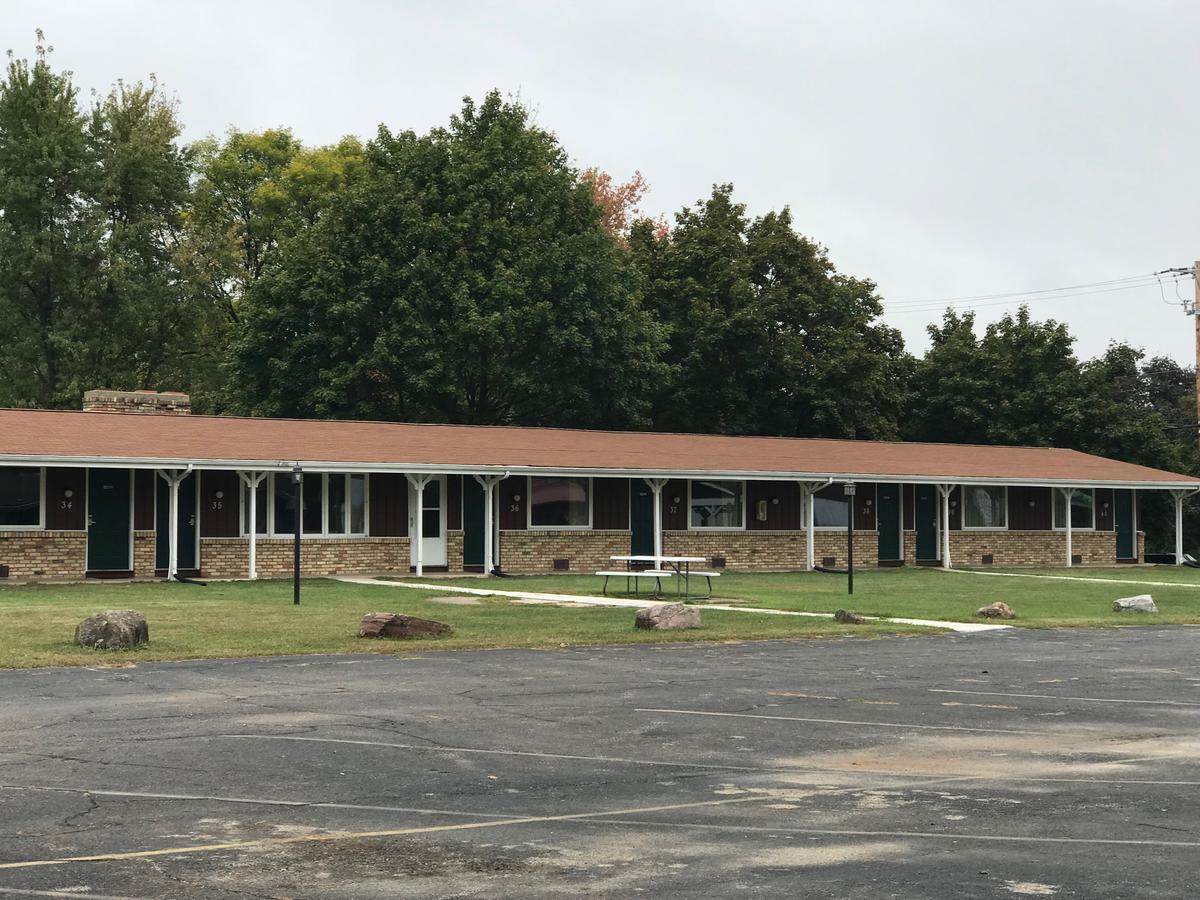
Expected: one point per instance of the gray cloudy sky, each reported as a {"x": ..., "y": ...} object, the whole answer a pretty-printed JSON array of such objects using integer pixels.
[{"x": 942, "y": 148}]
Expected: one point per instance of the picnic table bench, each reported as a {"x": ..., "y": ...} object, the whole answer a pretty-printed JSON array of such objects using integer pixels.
[{"x": 660, "y": 567}]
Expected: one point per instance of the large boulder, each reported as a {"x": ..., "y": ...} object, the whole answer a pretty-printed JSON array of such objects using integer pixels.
[
  {"x": 846, "y": 617},
  {"x": 996, "y": 610},
  {"x": 116, "y": 629},
  {"x": 1143, "y": 603},
  {"x": 396, "y": 625},
  {"x": 665, "y": 616}
]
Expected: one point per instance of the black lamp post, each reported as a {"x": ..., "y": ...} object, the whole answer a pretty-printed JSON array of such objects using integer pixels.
[
  {"x": 297, "y": 500},
  {"x": 850, "y": 536}
]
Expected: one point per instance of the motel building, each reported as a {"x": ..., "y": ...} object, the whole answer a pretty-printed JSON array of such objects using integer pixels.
[{"x": 135, "y": 486}]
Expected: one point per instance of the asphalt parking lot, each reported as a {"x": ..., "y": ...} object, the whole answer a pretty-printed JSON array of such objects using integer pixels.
[{"x": 1018, "y": 763}]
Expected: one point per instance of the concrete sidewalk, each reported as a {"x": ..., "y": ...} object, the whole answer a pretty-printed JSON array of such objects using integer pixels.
[{"x": 633, "y": 603}]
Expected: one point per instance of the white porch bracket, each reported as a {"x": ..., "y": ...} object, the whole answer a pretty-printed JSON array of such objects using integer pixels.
[
  {"x": 490, "y": 550},
  {"x": 252, "y": 480},
  {"x": 944, "y": 491},
  {"x": 656, "y": 485},
  {"x": 173, "y": 478},
  {"x": 418, "y": 482},
  {"x": 807, "y": 490}
]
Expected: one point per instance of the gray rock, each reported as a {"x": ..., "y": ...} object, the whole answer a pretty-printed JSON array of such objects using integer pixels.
[
  {"x": 846, "y": 617},
  {"x": 1143, "y": 603},
  {"x": 116, "y": 629},
  {"x": 397, "y": 625},
  {"x": 664, "y": 616},
  {"x": 996, "y": 610}
]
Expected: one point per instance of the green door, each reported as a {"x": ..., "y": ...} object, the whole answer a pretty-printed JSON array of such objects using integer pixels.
[
  {"x": 925, "y": 516},
  {"x": 472, "y": 512},
  {"x": 888, "y": 512},
  {"x": 1126, "y": 535},
  {"x": 110, "y": 530},
  {"x": 186, "y": 558},
  {"x": 641, "y": 518}
]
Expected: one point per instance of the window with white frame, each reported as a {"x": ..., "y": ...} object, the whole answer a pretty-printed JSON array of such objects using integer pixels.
[
  {"x": 1083, "y": 508},
  {"x": 831, "y": 507},
  {"x": 560, "y": 502},
  {"x": 716, "y": 504},
  {"x": 20, "y": 497},
  {"x": 332, "y": 505},
  {"x": 984, "y": 506}
]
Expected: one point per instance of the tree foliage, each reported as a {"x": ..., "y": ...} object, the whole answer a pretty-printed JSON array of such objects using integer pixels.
[{"x": 465, "y": 276}]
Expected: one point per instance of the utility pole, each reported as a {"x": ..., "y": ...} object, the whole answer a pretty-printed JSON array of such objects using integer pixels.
[{"x": 1196, "y": 322}]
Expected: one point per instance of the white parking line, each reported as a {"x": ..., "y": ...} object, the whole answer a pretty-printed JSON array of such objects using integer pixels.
[
  {"x": 439, "y": 749},
  {"x": 1057, "y": 697},
  {"x": 702, "y": 712}
]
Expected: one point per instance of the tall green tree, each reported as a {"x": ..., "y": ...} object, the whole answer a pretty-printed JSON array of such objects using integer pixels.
[
  {"x": 766, "y": 336},
  {"x": 464, "y": 275},
  {"x": 50, "y": 233}
]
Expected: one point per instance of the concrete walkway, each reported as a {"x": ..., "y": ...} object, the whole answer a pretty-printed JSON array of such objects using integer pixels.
[{"x": 633, "y": 603}]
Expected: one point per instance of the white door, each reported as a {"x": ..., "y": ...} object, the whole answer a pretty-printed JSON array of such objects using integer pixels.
[{"x": 433, "y": 522}]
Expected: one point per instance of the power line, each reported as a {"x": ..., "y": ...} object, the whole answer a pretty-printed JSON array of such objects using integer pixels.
[{"x": 1069, "y": 287}]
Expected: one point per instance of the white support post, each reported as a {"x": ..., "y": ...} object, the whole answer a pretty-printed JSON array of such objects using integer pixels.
[
  {"x": 252, "y": 480},
  {"x": 656, "y": 486},
  {"x": 808, "y": 490},
  {"x": 418, "y": 482},
  {"x": 173, "y": 478},
  {"x": 1067, "y": 494},
  {"x": 945, "y": 490},
  {"x": 1178, "y": 495},
  {"x": 488, "y": 483}
]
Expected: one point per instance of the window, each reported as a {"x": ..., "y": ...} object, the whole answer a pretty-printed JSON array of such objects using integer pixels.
[
  {"x": 335, "y": 505},
  {"x": 1083, "y": 501},
  {"x": 284, "y": 518},
  {"x": 20, "y": 498},
  {"x": 984, "y": 506},
  {"x": 560, "y": 502},
  {"x": 715, "y": 504},
  {"x": 831, "y": 507},
  {"x": 358, "y": 504}
]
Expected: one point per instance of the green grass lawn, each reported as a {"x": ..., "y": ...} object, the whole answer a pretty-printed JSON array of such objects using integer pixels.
[
  {"x": 932, "y": 594},
  {"x": 232, "y": 619}
]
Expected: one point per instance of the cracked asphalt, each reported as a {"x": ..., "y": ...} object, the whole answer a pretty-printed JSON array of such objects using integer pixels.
[{"x": 1018, "y": 763}]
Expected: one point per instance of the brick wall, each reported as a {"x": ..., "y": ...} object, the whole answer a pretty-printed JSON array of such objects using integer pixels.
[
  {"x": 229, "y": 557},
  {"x": 144, "y": 544},
  {"x": 1028, "y": 548},
  {"x": 771, "y": 549},
  {"x": 535, "y": 551},
  {"x": 454, "y": 551},
  {"x": 43, "y": 554}
]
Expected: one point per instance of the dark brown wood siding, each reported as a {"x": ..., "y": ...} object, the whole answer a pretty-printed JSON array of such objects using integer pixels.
[
  {"x": 389, "y": 505},
  {"x": 610, "y": 503},
  {"x": 65, "y": 513},
  {"x": 454, "y": 486},
  {"x": 909, "y": 502},
  {"x": 144, "y": 486},
  {"x": 219, "y": 515},
  {"x": 1104, "y": 509},
  {"x": 1029, "y": 509},
  {"x": 514, "y": 495},
  {"x": 782, "y": 499},
  {"x": 675, "y": 505},
  {"x": 865, "y": 497}
]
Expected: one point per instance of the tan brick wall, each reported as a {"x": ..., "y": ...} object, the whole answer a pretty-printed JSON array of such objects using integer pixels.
[
  {"x": 454, "y": 551},
  {"x": 534, "y": 551},
  {"x": 144, "y": 544},
  {"x": 771, "y": 549},
  {"x": 43, "y": 554},
  {"x": 229, "y": 557},
  {"x": 1028, "y": 548}
]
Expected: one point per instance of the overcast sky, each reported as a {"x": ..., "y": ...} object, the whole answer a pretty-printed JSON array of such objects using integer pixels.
[{"x": 942, "y": 149}]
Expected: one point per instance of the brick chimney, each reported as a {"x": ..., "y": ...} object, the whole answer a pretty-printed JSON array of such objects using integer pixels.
[{"x": 146, "y": 403}]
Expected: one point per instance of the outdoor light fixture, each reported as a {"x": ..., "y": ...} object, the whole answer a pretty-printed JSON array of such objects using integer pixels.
[
  {"x": 516, "y": 498},
  {"x": 68, "y": 493},
  {"x": 220, "y": 495}
]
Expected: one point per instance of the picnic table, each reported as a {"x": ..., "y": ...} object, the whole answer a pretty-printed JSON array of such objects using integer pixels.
[{"x": 658, "y": 568}]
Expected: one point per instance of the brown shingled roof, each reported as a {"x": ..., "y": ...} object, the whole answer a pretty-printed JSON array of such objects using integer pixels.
[{"x": 67, "y": 436}]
